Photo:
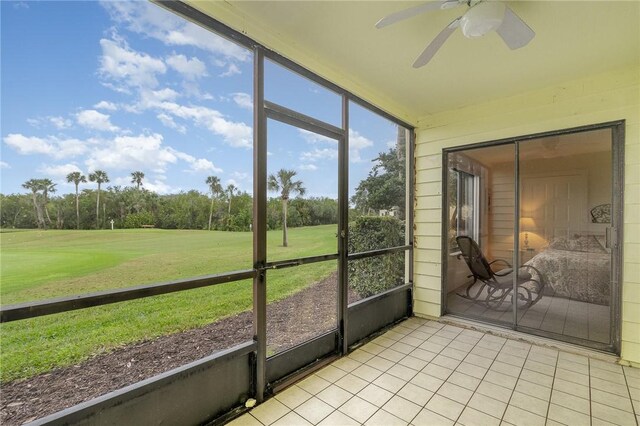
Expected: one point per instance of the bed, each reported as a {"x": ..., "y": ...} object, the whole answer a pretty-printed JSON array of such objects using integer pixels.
[{"x": 577, "y": 268}]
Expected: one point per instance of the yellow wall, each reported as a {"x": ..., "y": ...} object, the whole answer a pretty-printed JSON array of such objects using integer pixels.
[{"x": 597, "y": 99}]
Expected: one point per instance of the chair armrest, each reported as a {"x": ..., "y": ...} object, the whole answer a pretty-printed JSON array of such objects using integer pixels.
[
  {"x": 500, "y": 260},
  {"x": 503, "y": 272}
]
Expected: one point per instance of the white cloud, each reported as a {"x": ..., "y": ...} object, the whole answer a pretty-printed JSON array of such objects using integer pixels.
[
  {"x": 319, "y": 154},
  {"x": 131, "y": 152},
  {"x": 391, "y": 144},
  {"x": 240, "y": 175},
  {"x": 314, "y": 138},
  {"x": 153, "y": 21},
  {"x": 106, "y": 105},
  {"x": 59, "y": 172},
  {"x": 310, "y": 167},
  {"x": 191, "y": 69},
  {"x": 60, "y": 122},
  {"x": 243, "y": 100},
  {"x": 231, "y": 182},
  {"x": 198, "y": 164},
  {"x": 4, "y": 165},
  {"x": 51, "y": 146},
  {"x": 126, "y": 66},
  {"x": 92, "y": 119},
  {"x": 168, "y": 121},
  {"x": 235, "y": 134},
  {"x": 232, "y": 69},
  {"x": 357, "y": 142}
]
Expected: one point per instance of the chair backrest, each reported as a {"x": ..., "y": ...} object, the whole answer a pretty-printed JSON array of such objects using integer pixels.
[{"x": 476, "y": 261}]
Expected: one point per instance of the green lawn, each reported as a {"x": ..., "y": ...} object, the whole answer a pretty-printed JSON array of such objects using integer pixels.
[{"x": 38, "y": 265}]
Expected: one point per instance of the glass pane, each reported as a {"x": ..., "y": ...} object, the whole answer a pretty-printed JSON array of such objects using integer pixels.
[
  {"x": 290, "y": 90},
  {"x": 373, "y": 275},
  {"x": 87, "y": 353},
  {"x": 302, "y": 304},
  {"x": 480, "y": 200},
  {"x": 565, "y": 213},
  {"x": 302, "y": 209},
  {"x": 377, "y": 180},
  {"x": 127, "y": 156}
]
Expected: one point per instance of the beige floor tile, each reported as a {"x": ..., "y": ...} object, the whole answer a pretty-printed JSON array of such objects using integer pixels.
[
  {"x": 403, "y": 348},
  {"x": 461, "y": 345},
  {"x": 571, "y": 388},
  {"x": 426, "y": 381},
  {"x": 415, "y": 394},
  {"x": 245, "y": 420},
  {"x": 573, "y": 358},
  {"x": 375, "y": 395},
  {"x": 390, "y": 383},
  {"x": 612, "y": 415},
  {"x": 495, "y": 391},
  {"x": 445, "y": 407},
  {"x": 472, "y": 417},
  {"x": 269, "y": 411},
  {"x": 402, "y": 408},
  {"x": 402, "y": 372},
  {"x": 633, "y": 382},
  {"x": 346, "y": 364},
  {"x": 331, "y": 374},
  {"x": 570, "y": 376},
  {"x": 554, "y": 423},
  {"x": 485, "y": 353},
  {"x": 478, "y": 360},
  {"x": 529, "y": 403},
  {"x": 472, "y": 370},
  {"x": 360, "y": 356},
  {"x": 464, "y": 380},
  {"x": 610, "y": 387},
  {"x": 520, "y": 417},
  {"x": 599, "y": 422},
  {"x": 509, "y": 370},
  {"x": 383, "y": 341},
  {"x": 539, "y": 367},
  {"x": 532, "y": 389},
  {"x": 543, "y": 359},
  {"x": 392, "y": 355},
  {"x": 338, "y": 418},
  {"x": 358, "y": 409},
  {"x": 446, "y": 362},
  {"x": 487, "y": 405},
  {"x": 571, "y": 401},
  {"x": 373, "y": 348},
  {"x": 384, "y": 418},
  {"x": 423, "y": 354},
  {"x": 292, "y": 419},
  {"x": 415, "y": 363},
  {"x": 515, "y": 351},
  {"x": 455, "y": 392},
  {"x": 567, "y": 416},
  {"x": 429, "y": 418},
  {"x": 454, "y": 353},
  {"x": 538, "y": 378},
  {"x": 314, "y": 410},
  {"x": 573, "y": 366},
  {"x": 608, "y": 376},
  {"x": 380, "y": 363},
  {"x": 510, "y": 359},
  {"x": 367, "y": 373},
  {"x": 501, "y": 379},
  {"x": 334, "y": 395},
  {"x": 605, "y": 365},
  {"x": 352, "y": 383},
  {"x": 313, "y": 384},
  {"x": 615, "y": 401},
  {"x": 293, "y": 396},
  {"x": 438, "y": 371},
  {"x": 439, "y": 340}
]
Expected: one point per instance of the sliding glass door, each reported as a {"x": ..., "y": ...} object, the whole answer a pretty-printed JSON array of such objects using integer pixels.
[{"x": 546, "y": 205}]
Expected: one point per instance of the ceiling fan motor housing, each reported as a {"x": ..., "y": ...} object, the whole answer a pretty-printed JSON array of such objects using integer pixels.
[{"x": 482, "y": 18}]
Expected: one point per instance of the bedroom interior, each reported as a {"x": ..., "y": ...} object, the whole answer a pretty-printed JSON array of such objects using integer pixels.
[{"x": 565, "y": 198}]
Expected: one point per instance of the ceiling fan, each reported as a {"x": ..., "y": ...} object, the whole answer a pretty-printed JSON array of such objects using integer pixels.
[{"x": 481, "y": 17}]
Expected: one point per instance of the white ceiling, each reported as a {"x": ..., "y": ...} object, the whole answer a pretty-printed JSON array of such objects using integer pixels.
[{"x": 573, "y": 39}]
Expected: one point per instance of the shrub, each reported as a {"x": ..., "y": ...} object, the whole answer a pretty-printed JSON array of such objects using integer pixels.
[
  {"x": 136, "y": 220},
  {"x": 373, "y": 275}
]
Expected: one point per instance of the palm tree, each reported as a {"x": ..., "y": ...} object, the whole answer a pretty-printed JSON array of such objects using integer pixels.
[
  {"x": 47, "y": 187},
  {"x": 136, "y": 177},
  {"x": 283, "y": 182},
  {"x": 231, "y": 189},
  {"x": 35, "y": 185},
  {"x": 77, "y": 178},
  {"x": 99, "y": 177},
  {"x": 215, "y": 188}
]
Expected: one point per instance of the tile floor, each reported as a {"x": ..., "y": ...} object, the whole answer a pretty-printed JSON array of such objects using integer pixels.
[
  {"x": 426, "y": 373},
  {"x": 555, "y": 314}
]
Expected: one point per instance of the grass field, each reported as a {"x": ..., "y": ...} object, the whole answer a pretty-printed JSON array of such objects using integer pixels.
[{"x": 44, "y": 264}]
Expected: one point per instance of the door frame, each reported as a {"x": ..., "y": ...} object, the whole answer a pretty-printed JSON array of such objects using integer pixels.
[{"x": 617, "y": 220}]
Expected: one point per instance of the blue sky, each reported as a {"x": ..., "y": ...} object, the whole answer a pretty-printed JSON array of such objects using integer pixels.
[{"x": 128, "y": 86}]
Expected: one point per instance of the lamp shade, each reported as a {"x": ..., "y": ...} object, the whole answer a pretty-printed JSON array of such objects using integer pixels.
[{"x": 527, "y": 223}]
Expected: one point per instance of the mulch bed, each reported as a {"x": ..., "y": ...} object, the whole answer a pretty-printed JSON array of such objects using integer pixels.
[{"x": 289, "y": 322}]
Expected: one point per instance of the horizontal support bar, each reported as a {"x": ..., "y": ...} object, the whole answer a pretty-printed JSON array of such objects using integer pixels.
[
  {"x": 294, "y": 118},
  {"x": 70, "y": 303},
  {"x": 378, "y": 252},
  {"x": 280, "y": 264},
  {"x": 382, "y": 295}
]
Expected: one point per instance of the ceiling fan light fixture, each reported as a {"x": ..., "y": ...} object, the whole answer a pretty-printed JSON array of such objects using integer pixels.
[{"x": 482, "y": 18}]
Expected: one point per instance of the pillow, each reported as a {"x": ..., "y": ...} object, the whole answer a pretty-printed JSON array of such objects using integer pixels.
[
  {"x": 587, "y": 244},
  {"x": 559, "y": 243}
]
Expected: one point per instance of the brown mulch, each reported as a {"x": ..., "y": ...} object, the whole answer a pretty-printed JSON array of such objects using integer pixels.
[{"x": 290, "y": 321}]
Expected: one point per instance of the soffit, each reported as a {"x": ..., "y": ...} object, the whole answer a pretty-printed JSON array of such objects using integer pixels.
[{"x": 338, "y": 40}]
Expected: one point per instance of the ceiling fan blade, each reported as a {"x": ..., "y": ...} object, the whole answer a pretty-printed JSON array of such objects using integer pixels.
[
  {"x": 436, "y": 44},
  {"x": 414, "y": 11},
  {"x": 513, "y": 31}
]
